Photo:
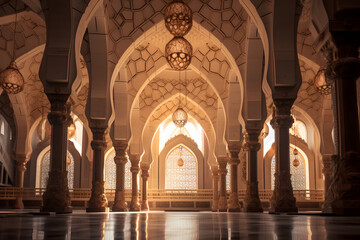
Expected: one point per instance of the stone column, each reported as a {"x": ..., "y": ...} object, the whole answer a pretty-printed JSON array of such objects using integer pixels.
[
  {"x": 144, "y": 176},
  {"x": 252, "y": 201},
  {"x": 215, "y": 179},
  {"x": 222, "y": 174},
  {"x": 20, "y": 170},
  {"x": 98, "y": 201},
  {"x": 282, "y": 199},
  {"x": 233, "y": 204},
  {"x": 120, "y": 159},
  {"x": 134, "y": 205},
  {"x": 327, "y": 162},
  {"x": 343, "y": 196},
  {"x": 56, "y": 197}
]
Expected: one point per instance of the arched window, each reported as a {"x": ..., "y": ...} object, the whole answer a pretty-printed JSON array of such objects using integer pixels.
[
  {"x": 228, "y": 177},
  {"x": 110, "y": 172},
  {"x": 45, "y": 168},
  {"x": 181, "y": 174},
  {"x": 298, "y": 173}
]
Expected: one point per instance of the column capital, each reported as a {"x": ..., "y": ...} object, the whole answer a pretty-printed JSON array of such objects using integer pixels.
[
  {"x": 98, "y": 145},
  {"x": 21, "y": 166},
  {"x": 134, "y": 169},
  {"x": 215, "y": 171},
  {"x": 283, "y": 106},
  {"x": 98, "y": 133},
  {"x": 253, "y": 146},
  {"x": 282, "y": 121},
  {"x": 120, "y": 151},
  {"x": 145, "y": 173}
]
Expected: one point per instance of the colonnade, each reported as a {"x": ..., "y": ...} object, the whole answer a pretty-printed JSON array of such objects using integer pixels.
[{"x": 60, "y": 54}]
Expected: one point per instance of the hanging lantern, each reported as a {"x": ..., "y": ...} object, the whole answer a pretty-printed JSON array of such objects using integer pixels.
[
  {"x": 71, "y": 130},
  {"x": 296, "y": 162},
  {"x": 178, "y": 53},
  {"x": 180, "y": 162},
  {"x": 11, "y": 80},
  {"x": 180, "y": 117},
  {"x": 320, "y": 82},
  {"x": 43, "y": 130},
  {"x": 295, "y": 152},
  {"x": 178, "y": 18}
]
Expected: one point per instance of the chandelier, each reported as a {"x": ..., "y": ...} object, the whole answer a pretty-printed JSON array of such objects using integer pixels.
[
  {"x": 178, "y": 53},
  {"x": 296, "y": 161},
  {"x": 11, "y": 79},
  {"x": 320, "y": 82},
  {"x": 178, "y": 18},
  {"x": 179, "y": 117}
]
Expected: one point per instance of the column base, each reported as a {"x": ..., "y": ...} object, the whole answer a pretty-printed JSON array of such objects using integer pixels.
[
  {"x": 343, "y": 196},
  {"x": 98, "y": 201},
  {"x": 56, "y": 198},
  {"x": 283, "y": 200},
  {"x": 120, "y": 207},
  {"x": 233, "y": 204},
  {"x": 19, "y": 203},
  {"x": 120, "y": 204},
  {"x": 222, "y": 204},
  {"x": 252, "y": 201},
  {"x": 134, "y": 206},
  {"x": 145, "y": 206},
  {"x": 99, "y": 209}
]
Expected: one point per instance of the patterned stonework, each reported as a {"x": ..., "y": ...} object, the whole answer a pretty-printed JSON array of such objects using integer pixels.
[
  {"x": 36, "y": 100},
  {"x": 309, "y": 99},
  {"x": 31, "y": 32},
  {"x": 160, "y": 90},
  {"x": 226, "y": 20},
  {"x": 170, "y": 106}
]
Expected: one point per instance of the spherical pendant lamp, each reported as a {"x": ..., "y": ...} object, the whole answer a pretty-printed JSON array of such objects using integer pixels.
[
  {"x": 11, "y": 80},
  {"x": 320, "y": 82},
  {"x": 178, "y": 18},
  {"x": 180, "y": 117},
  {"x": 178, "y": 53},
  {"x": 296, "y": 162},
  {"x": 180, "y": 162}
]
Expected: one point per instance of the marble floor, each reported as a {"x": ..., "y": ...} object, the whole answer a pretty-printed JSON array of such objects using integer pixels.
[{"x": 175, "y": 225}]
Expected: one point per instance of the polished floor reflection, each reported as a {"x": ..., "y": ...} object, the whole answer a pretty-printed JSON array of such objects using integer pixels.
[{"x": 176, "y": 225}]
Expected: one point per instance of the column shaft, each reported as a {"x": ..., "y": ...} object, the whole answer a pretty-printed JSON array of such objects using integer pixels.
[
  {"x": 233, "y": 204},
  {"x": 252, "y": 201},
  {"x": 120, "y": 159},
  {"x": 215, "y": 178},
  {"x": 144, "y": 176},
  {"x": 344, "y": 189},
  {"x": 56, "y": 197},
  {"x": 20, "y": 170},
  {"x": 222, "y": 173},
  {"x": 282, "y": 199},
  {"x": 134, "y": 205},
  {"x": 98, "y": 201}
]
